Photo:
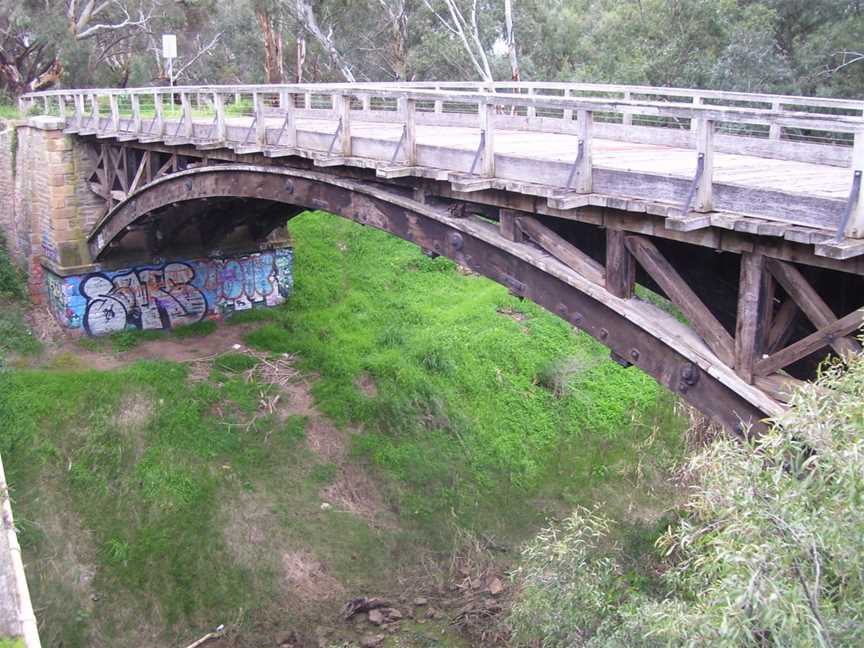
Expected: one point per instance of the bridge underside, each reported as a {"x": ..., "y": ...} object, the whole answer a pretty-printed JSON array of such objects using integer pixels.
[{"x": 732, "y": 359}]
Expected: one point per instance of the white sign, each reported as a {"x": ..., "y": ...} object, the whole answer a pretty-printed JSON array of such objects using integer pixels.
[{"x": 169, "y": 46}]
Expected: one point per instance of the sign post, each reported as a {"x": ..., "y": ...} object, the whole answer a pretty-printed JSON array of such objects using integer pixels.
[{"x": 169, "y": 53}]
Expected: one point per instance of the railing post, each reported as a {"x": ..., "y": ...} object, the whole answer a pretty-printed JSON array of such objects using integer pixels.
[
  {"x": 343, "y": 110},
  {"x": 855, "y": 224},
  {"x": 583, "y": 182},
  {"x": 47, "y": 106},
  {"x": 775, "y": 130},
  {"x": 487, "y": 132},
  {"x": 94, "y": 109},
  {"x": 307, "y": 101},
  {"x": 532, "y": 111},
  {"x": 410, "y": 112},
  {"x": 79, "y": 109},
  {"x": 568, "y": 112},
  {"x": 136, "y": 113},
  {"x": 284, "y": 99},
  {"x": 366, "y": 100},
  {"x": 187, "y": 127},
  {"x": 288, "y": 132},
  {"x": 703, "y": 201},
  {"x": 115, "y": 112},
  {"x": 159, "y": 110},
  {"x": 626, "y": 115},
  {"x": 219, "y": 106},
  {"x": 260, "y": 122},
  {"x": 439, "y": 105},
  {"x": 61, "y": 106}
]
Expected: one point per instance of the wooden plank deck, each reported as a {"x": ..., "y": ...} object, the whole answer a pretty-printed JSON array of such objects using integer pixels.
[{"x": 743, "y": 170}]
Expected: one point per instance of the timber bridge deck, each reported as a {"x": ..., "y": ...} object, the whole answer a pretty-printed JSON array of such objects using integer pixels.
[{"x": 568, "y": 194}]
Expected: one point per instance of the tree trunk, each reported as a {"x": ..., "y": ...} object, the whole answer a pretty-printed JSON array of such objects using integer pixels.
[
  {"x": 271, "y": 32},
  {"x": 511, "y": 41}
]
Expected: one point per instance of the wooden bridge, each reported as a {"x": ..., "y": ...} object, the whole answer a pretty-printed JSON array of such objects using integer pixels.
[{"x": 742, "y": 210}]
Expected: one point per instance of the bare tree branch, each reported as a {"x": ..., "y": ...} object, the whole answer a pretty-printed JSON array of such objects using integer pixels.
[
  {"x": 459, "y": 27},
  {"x": 305, "y": 15},
  {"x": 201, "y": 52}
]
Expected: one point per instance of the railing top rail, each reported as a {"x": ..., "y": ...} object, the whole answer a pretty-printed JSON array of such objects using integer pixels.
[
  {"x": 421, "y": 92},
  {"x": 733, "y": 95}
]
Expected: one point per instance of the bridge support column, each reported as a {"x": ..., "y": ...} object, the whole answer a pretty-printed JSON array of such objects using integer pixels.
[{"x": 44, "y": 208}]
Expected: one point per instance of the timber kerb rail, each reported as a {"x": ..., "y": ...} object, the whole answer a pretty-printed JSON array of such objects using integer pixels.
[{"x": 824, "y": 131}]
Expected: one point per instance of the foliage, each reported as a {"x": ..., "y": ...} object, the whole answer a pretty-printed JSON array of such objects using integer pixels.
[
  {"x": 792, "y": 46},
  {"x": 15, "y": 335},
  {"x": 570, "y": 581},
  {"x": 770, "y": 551}
]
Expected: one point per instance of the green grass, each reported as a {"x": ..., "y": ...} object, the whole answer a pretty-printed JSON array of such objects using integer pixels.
[
  {"x": 15, "y": 335},
  {"x": 475, "y": 410},
  {"x": 12, "y": 643},
  {"x": 8, "y": 111},
  {"x": 465, "y": 419}
]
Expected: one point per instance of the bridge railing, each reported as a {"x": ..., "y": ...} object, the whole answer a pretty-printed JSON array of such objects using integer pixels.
[{"x": 811, "y": 129}]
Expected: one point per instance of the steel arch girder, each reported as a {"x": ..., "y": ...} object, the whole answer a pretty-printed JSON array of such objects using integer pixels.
[{"x": 436, "y": 232}]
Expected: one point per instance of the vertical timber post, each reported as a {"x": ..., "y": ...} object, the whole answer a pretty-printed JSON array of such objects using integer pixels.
[
  {"x": 159, "y": 111},
  {"x": 775, "y": 130},
  {"x": 343, "y": 110},
  {"x": 410, "y": 114},
  {"x": 568, "y": 112},
  {"x": 115, "y": 113},
  {"x": 79, "y": 110},
  {"x": 584, "y": 127},
  {"x": 186, "y": 115},
  {"x": 61, "y": 106},
  {"x": 487, "y": 132},
  {"x": 219, "y": 107},
  {"x": 620, "y": 265},
  {"x": 626, "y": 115},
  {"x": 855, "y": 225},
  {"x": 703, "y": 201},
  {"x": 510, "y": 230},
  {"x": 260, "y": 119},
  {"x": 136, "y": 113},
  {"x": 94, "y": 110},
  {"x": 753, "y": 312}
]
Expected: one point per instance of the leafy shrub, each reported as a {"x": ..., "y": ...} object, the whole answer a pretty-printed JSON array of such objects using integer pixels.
[
  {"x": 571, "y": 581},
  {"x": 12, "y": 283},
  {"x": 770, "y": 551}
]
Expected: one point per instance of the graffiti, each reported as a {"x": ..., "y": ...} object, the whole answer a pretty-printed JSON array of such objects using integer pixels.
[
  {"x": 60, "y": 301},
  {"x": 149, "y": 298},
  {"x": 49, "y": 250},
  {"x": 241, "y": 284},
  {"x": 171, "y": 294}
]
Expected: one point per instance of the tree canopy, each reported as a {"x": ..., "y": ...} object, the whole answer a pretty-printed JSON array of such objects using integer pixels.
[{"x": 791, "y": 46}]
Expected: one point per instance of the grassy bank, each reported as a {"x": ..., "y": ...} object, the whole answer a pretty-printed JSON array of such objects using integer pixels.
[
  {"x": 479, "y": 398},
  {"x": 162, "y": 498}
]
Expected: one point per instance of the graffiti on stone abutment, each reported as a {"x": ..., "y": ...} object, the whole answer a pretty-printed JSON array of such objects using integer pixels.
[{"x": 163, "y": 296}]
